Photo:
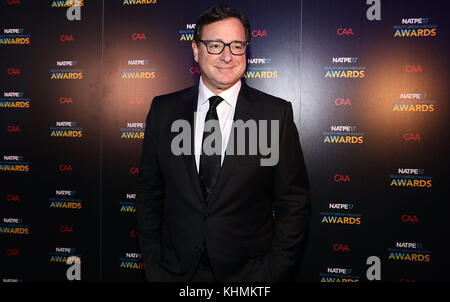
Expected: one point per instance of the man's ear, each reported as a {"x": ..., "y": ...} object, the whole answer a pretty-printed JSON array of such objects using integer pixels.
[{"x": 195, "y": 50}]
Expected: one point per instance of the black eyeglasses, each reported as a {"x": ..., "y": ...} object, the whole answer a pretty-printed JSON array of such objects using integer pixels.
[{"x": 216, "y": 47}]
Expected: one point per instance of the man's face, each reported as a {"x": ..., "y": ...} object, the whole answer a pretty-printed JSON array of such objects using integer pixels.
[{"x": 220, "y": 72}]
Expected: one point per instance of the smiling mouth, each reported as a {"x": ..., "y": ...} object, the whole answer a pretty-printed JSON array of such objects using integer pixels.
[{"x": 226, "y": 67}]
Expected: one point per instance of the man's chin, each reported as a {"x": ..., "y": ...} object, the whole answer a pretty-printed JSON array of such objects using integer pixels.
[{"x": 226, "y": 85}]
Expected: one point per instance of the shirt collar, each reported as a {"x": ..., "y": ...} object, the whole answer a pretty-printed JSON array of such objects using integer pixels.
[{"x": 230, "y": 95}]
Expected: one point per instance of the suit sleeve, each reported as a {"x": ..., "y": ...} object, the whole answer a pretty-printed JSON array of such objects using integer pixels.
[
  {"x": 291, "y": 202},
  {"x": 149, "y": 191}
]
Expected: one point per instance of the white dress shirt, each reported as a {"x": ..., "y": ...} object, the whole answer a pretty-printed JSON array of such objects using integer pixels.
[{"x": 225, "y": 112}]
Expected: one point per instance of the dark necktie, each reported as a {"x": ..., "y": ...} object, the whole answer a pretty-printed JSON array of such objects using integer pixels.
[{"x": 210, "y": 164}]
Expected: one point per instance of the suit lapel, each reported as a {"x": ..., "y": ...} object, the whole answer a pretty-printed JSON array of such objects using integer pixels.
[
  {"x": 190, "y": 107},
  {"x": 244, "y": 111}
]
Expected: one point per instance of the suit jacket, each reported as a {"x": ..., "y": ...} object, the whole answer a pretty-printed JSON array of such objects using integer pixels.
[{"x": 245, "y": 241}]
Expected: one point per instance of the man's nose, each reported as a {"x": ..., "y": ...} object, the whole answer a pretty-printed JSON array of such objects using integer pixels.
[{"x": 226, "y": 54}]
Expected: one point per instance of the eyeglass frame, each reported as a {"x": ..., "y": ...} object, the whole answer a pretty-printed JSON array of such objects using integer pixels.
[{"x": 245, "y": 44}]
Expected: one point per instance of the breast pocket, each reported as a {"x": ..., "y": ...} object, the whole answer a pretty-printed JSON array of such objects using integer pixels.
[{"x": 246, "y": 163}]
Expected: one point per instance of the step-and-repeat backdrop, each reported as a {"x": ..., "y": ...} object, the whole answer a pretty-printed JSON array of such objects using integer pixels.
[{"x": 368, "y": 81}]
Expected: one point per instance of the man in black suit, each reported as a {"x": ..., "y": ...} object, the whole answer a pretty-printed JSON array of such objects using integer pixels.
[{"x": 221, "y": 216}]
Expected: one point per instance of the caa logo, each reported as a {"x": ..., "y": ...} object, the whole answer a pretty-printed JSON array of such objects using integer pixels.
[
  {"x": 135, "y": 101},
  {"x": 65, "y": 100},
  {"x": 413, "y": 68},
  {"x": 341, "y": 178},
  {"x": 13, "y": 2},
  {"x": 259, "y": 33},
  {"x": 12, "y": 198},
  {"x": 138, "y": 36},
  {"x": 342, "y": 102},
  {"x": 134, "y": 170},
  {"x": 409, "y": 218},
  {"x": 339, "y": 247},
  {"x": 66, "y": 229},
  {"x": 64, "y": 168},
  {"x": 66, "y": 38},
  {"x": 344, "y": 31},
  {"x": 13, "y": 71},
  {"x": 12, "y": 128},
  {"x": 412, "y": 137},
  {"x": 12, "y": 252},
  {"x": 194, "y": 70}
]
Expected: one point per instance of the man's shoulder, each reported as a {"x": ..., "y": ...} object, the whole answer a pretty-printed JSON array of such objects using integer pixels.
[
  {"x": 264, "y": 98},
  {"x": 176, "y": 95}
]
